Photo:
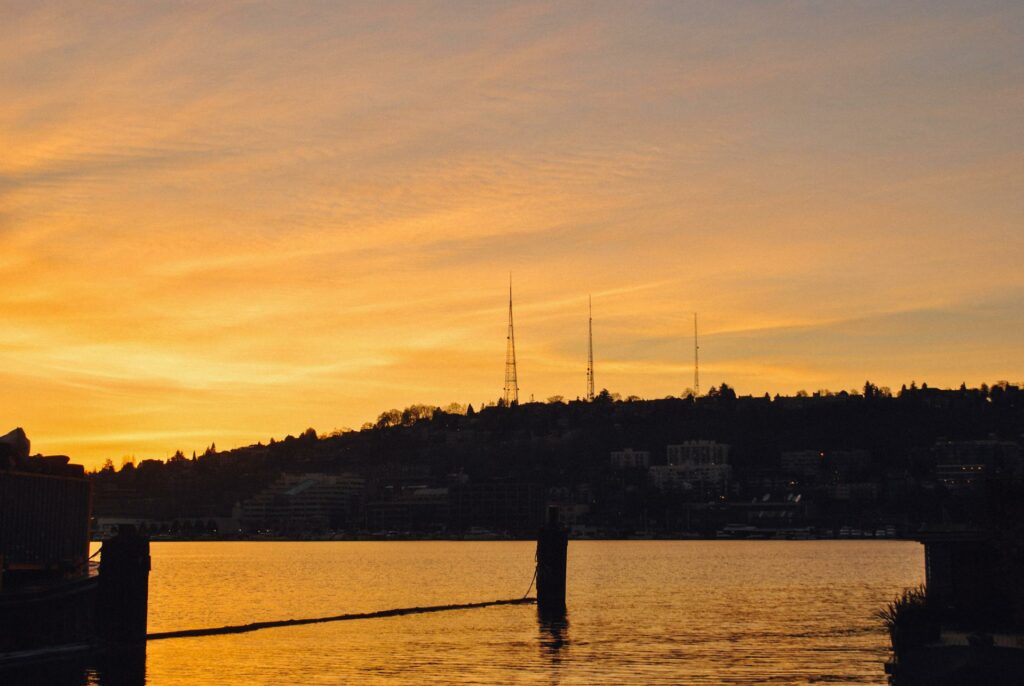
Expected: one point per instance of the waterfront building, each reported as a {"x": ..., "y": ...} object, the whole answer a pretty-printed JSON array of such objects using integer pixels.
[
  {"x": 692, "y": 463},
  {"x": 697, "y": 453},
  {"x": 630, "y": 459},
  {"x": 857, "y": 491},
  {"x": 416, "y": 509},
  {"x": 501, "y": 506},
  {"x": 671, "y": 477},
  {"x": 806, "y": 463},
  {"x": 844, "y": 466},
  {"x": 963, "y": 465},
  {"x": 302, "y": 502}
]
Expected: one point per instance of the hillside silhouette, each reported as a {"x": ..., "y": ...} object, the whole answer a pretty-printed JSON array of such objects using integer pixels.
[{"x": 880, "y": 453}]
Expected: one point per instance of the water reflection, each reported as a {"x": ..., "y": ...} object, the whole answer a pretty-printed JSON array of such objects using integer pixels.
[
  {"x": 554, "y": 629},
  {"x": 64, "y": 673},
  {"x": 123, "y": 668},
  {"x": 120, "y": 668},
  {"x": 785, "y": 612}
]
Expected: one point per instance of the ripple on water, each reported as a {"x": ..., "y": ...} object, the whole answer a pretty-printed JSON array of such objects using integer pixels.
[{"x": 645, "y": 612}]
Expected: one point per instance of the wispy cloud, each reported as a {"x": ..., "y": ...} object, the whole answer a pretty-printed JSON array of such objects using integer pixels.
[{"x": 228, "y": 221}]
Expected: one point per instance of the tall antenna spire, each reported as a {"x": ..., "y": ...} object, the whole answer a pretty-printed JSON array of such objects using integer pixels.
[
  {"x": 590, "y": 349},
  {"x": 511, "y": 379},
  {"x": 696, "y": 360}
]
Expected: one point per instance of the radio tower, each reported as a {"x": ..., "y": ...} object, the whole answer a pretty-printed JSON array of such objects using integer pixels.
[
  {"x": 511, "y": 381},
  {"x": 696, "y": 360},
  {"x": 590, "y": 349}
]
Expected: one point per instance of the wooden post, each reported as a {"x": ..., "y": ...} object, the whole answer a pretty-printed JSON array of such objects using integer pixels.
[
  {"x": 552, "y": 550},
  {"x": 122, "y": 602}
]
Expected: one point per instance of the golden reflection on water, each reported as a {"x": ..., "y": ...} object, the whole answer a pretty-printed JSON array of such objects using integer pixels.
[{"x": 650, "y": 612}]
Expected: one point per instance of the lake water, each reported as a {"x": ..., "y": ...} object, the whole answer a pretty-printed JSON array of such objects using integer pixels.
[{"x": 643, "y": 612}]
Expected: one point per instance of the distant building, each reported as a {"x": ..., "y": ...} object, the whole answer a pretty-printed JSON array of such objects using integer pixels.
[
  {"x": 670, "y": 477},
  {"x": 693, "y": 463},
  {"x": 630, "y": 459},
  {"x": 107, "y": 527},
  {"x": 184, "y": 527},
  {"x": 995, "y": 455},
  {"x": 806, "y": 463},
  {"x": 860, "y": 491},
  {"x": 697, "y": 453},
  {"x": 965, "y": 465},
  {"x": 844, "y": 466},
  {"x": 111, "y": 498},
  {"x": 501, "y": 506},
  {"x": 666, "y": 477},
  {"x": 757, "y": 482},
  {"x": 957, "y": 477},
  {"x": 302, "y": 502},
  {"x": 419, "y": 509},
  {"x": 766, "y": 513}
]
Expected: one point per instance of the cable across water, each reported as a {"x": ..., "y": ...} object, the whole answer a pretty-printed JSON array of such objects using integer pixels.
[{"x": 256, "y": 626}]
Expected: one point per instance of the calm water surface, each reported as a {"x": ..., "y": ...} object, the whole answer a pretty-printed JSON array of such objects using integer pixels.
[{"x": 644, "y": 612}]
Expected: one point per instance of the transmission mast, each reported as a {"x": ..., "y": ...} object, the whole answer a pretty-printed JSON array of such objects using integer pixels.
[
  {"x": 590, "y": 349},
  {"x": 696, "y": 360},
  {"x": 511, "y": 379}
]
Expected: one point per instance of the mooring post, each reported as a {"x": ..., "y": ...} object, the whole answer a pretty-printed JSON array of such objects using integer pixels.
[
  {"x": 552, "y": 550},
  {"x": 122, "y": 602}
]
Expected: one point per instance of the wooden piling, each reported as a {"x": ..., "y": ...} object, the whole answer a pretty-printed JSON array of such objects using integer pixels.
[
  {"x": 552, "y": 551},
  {"x": 122, "y": 601}
]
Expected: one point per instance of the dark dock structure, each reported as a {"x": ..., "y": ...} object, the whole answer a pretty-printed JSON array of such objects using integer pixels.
[
  {"x": 966, "y": 626},
  {"x": 53, "y": 600},
  {"x": 552, "y": 555}
]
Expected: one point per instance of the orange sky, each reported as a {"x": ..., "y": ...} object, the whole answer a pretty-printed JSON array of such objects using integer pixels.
[{"x": 226, "y": 222}]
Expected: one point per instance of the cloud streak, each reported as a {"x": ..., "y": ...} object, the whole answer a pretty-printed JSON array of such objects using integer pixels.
[{"x": 231, "y": 221}]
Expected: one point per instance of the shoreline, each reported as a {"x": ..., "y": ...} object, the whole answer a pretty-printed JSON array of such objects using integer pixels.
[{"x": 460, "y": 539}]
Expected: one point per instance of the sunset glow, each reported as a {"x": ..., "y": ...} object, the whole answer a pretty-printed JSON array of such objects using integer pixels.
[{"x": 223, "y": 222}]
